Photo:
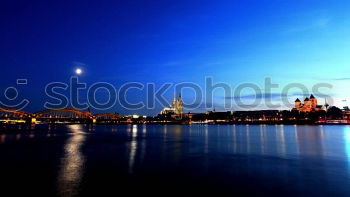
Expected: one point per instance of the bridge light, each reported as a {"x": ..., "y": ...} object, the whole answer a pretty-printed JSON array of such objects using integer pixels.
[{"x": 33, "y": 120}]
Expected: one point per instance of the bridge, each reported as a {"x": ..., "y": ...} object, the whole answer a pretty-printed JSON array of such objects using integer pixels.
[
  {"x": 13, "y": 116},
  {"x": 60, "y": 115},
  {"x": 107, "y": 118},
  {"x": 12, "y": 113}
]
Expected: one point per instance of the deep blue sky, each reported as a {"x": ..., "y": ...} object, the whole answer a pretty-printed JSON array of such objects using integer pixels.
[{"x": 175, "y": 41}]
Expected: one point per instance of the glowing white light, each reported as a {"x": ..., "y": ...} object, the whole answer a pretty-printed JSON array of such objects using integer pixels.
[{"x": 78, "y": 71}]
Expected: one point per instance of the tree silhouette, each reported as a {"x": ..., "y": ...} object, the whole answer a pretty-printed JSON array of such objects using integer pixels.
[{"x": 334, "y": 113}]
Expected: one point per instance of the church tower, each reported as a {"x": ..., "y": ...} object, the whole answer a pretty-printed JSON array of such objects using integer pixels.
[
  {"x": 173, "y": 104},
  {"x": 179, "y": 106},
  {"x": 307, "y": 105},
  {"x": 313, "y": 101},
  {"x": 297, "y": 104}
]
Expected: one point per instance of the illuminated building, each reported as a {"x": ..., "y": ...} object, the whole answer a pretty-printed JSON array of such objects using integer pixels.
[
  {"x": 309, "y": 105},
  {"x": 175, "y": 108}
]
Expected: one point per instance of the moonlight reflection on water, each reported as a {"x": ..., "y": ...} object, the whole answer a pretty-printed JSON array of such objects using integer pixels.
[
  {"x": 71, "y": 172},
  {"x": 103, "y": 160}
]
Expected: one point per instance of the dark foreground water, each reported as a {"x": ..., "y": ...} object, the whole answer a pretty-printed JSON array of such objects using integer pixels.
[{"x": 182, "y": 160}]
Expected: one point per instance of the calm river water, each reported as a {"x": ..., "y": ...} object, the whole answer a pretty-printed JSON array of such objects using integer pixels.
[{"x": 175, "y": 160}]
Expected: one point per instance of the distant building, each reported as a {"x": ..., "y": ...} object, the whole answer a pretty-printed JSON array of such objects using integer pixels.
[
  {"x": 309, "y": 105},
  {"x": 261, "y": 115},
  {"x": 176, "y": 107}
]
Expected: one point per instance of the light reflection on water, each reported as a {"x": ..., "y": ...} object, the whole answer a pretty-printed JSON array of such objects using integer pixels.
[
  {"x": 274, "y": 140},
  {"x": 290, "y": 142},
  {"x": 290, "y": 151},
  {"x": 3, "y": 138},
  {"x": 143, "y": 143},
  {"x": 133, "y": 148},
  {"x": 206, "y": 147},
  {"x": 72, "y": 163},
  {"x": 277, "y": 140},
  {"x": 347, "y": 144}
]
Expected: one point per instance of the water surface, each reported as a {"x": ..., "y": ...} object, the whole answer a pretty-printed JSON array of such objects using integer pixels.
[{"x": 168, "y": 160}]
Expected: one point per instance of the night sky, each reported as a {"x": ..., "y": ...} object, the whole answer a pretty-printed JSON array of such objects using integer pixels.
[{"x": 174, "y": 41}]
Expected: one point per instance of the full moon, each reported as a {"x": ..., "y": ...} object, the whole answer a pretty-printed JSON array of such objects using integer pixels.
[{"x": 78, "y": 71}]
